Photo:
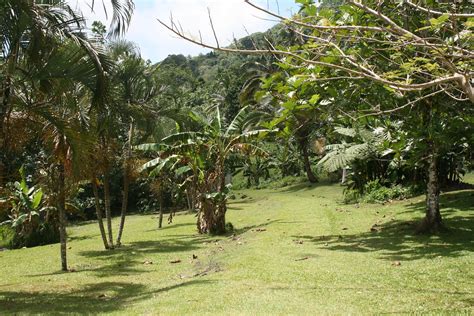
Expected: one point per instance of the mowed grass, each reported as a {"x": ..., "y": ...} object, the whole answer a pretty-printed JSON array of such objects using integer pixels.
[{"x": 296, "y": 250}]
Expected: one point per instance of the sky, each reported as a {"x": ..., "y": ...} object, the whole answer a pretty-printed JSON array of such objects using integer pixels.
[{"x": 231, "y": 19}]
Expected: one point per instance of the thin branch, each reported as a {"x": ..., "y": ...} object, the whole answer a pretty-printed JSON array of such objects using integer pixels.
[
  {"x": 212, "y": 26},
  {"x": 403, "y": 106},
  {"x": 314, "y": 26},
  {"x": 457, "y": 15},
  {"x": 354, "y": 67}
]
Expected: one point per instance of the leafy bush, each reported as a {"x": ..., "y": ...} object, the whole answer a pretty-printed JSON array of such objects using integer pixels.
[
  {"x": 32, "y": 223},
  {"x": 351, "y": 195},
  {"x": 375, "y": 192},
  {"x": 7, "y": 234}
]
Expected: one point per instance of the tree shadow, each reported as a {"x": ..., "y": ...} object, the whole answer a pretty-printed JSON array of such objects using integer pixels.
[
  {"x": 79, "y": 238},
  {"x": 169, "y": 226},
  {"x": 243, "y": 230},
  {"x": 128, "y": 259},
  {"x": 246, "y": 200},
  {"x": 397, "y": 240},
  {"x": 91, "y": 299},
  {"x": 450, "y": 202},
  {"x": 298, "y": 187},
  {"x": 305, "y": 186}
]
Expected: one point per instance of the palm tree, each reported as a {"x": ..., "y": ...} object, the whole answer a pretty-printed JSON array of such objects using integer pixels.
[
  {"x": 122, "y": 11},
  {"x": 45, "y": 59},
  {"x": 133, "y": 89},
  {"x": 28, "y": 32}
]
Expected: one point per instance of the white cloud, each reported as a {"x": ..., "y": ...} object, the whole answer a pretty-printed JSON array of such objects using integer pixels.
[{"x": 229, "y": 17}]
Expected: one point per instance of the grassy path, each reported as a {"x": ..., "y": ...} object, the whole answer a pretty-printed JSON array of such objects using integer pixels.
[{"x": 295, "y": 251}]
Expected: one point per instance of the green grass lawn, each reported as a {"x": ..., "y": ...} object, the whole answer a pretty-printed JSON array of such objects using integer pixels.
[{"x": 296, "y": 250}]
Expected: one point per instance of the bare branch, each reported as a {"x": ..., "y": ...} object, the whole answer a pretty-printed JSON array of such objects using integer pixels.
[
  {"x": 355, "y": 66},
  {"x": 403, "y": 106},
  {"x": 457, "y": 15},
  {"x": 212, "y": 26},
  {"x": 315, "y": 26}
]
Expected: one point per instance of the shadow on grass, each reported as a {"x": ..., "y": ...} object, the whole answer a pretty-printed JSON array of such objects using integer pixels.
[
  {"x": 305, "y": 186},
  {"x": 397, "y": 240},
  {"x": 243, "y": 230},
  {"x": 79, "y": 238},
  {"x": 91, "y": 299},
  {"x": 167, "y": 226},
  {"x": 129, "y": 258}
]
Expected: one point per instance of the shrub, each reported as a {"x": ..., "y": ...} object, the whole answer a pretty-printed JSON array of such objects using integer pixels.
[
  {"x": 7, "y": 235},
  {"x": 375, "y": 192},
  {"x": 32, "y": 223}
]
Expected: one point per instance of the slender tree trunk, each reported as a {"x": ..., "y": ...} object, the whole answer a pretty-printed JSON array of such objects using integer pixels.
[
  {"x": 62, "y": 215},
  {"x": 432, "y": 221},
  {"x": 160, "y": 220},
  {"x": 344, "y": 175},
  {"x": 188, "y": 200},
  {"x": 108, "y": 211},
  {"x": 126, "y": 184},
  {"x": 307, "y": 164},
  {"x": 99, "y": 213}
]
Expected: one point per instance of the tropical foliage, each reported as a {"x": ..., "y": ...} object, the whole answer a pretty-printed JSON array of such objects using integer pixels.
[{"x": 378, "y": 94}]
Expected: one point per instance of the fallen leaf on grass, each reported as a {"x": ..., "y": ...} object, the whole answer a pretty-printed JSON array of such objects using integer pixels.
[
  {"x": 301, "y": 259},
  {"x": 175, "y": 261},
  {"x": 147, "y": 262},
  {"x": 375, "y": 228}
]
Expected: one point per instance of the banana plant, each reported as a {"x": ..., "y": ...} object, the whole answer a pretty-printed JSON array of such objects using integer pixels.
[
  {"x": 204, "y": 154},
  {"x": 26, "y": 207}
]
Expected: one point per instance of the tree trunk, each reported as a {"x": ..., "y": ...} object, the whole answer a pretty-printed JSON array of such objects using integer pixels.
[
  {"x": 344, "y": 175},
  {"x": 126, "y": 184},
  {"x": 218, "y": 223},
  {"x": 432, "y": 221},
  {"x": 307, "y": 164},
  {"x": 62, "y": 215},
  {"x": 99, "y": 213},
  {"x": 108, "y": 211},
  {"x": 188, "y": 200},
  {"x": 205, "y": 216},
  {"x": 160, "y": 220}
]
